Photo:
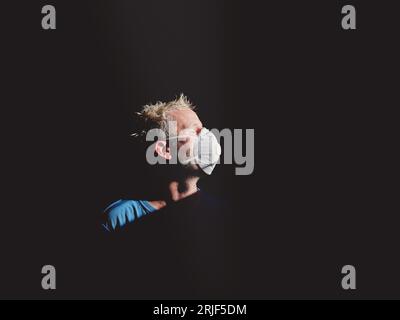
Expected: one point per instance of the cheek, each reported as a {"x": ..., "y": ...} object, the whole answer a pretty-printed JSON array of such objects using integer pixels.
[{"x": 187, "y": 146}]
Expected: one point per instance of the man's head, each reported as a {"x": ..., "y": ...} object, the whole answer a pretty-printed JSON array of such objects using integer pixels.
[
  {"x": 159, "y": 114},
  {"x": 183, "y": 132}
]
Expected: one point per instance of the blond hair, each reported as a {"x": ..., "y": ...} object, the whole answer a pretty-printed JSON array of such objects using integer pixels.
[{"x": 157, "y": 115}]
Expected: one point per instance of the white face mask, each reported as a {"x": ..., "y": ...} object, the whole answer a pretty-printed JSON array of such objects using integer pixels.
[{"x": 205, "y": 152}]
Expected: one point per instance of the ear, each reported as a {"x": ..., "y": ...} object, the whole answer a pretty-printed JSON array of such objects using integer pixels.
[{"x": 163, "y": 150}]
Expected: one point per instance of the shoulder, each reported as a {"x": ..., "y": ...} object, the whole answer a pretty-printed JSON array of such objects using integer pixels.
[{"x": 211, "y": 200}]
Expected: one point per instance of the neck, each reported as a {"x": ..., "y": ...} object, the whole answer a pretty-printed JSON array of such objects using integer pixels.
[{"x": 177, "y": 190}]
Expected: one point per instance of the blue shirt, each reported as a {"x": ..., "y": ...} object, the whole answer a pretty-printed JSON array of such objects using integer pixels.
[{"x": 123, "y": 212}]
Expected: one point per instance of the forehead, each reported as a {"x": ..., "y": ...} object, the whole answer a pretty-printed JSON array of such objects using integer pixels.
[{"x": 186, "y": 118}]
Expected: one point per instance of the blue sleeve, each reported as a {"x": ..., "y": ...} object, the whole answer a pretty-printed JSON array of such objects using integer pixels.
[{"x": 120, "y": 214}]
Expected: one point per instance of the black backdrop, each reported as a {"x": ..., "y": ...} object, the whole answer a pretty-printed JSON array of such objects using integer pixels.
[{"x": 322, "y": 102}]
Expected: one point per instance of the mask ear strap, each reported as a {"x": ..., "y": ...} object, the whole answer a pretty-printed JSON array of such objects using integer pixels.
[{"x": 179, "y": 137}]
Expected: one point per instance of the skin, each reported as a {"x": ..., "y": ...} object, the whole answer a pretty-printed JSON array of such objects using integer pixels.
[{"x": 188, "y": 124}]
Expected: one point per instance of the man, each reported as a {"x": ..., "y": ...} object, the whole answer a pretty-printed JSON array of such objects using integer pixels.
[{"x": 184, "y": 138}]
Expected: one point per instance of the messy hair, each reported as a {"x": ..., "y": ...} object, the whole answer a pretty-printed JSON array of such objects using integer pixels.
[{"x": 156, "y": 116}]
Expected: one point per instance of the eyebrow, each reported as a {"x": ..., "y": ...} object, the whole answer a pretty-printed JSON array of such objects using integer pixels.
[{"x": 195, "y": 125}]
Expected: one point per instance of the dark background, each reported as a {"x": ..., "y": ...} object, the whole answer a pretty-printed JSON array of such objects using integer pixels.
[{"x": 322, "y": 101}]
